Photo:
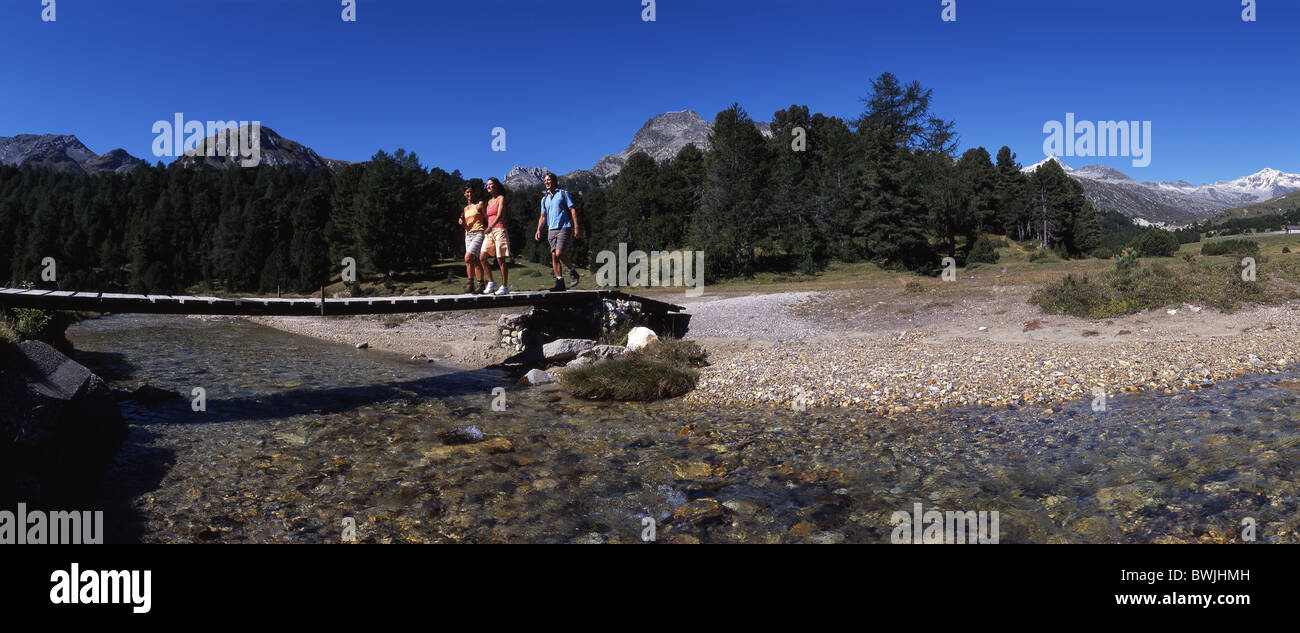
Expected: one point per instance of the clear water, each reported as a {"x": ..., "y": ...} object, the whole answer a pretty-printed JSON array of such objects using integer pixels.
[{"x": 300, "y": 435}]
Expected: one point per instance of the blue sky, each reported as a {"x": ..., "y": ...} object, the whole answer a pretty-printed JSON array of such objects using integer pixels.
[{"x": 571, "y": 81}]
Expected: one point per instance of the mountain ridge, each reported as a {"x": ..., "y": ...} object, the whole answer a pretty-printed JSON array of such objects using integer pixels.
[
  {"x": 63, "y": 153},
  {"x": 661, "y": 137},
  {"x": 1173, "y": 202}
]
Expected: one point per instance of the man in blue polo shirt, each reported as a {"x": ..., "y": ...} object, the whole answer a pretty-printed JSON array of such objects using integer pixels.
[{"x": 561, "y": 220}]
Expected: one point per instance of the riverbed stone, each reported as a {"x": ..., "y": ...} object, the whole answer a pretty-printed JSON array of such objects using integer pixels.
[
  {"x": 150, "y": 395},
  {"x": 701, "y": 511},
  {"x": 537, "y": 377},
  {"x": 566, "y": 348},
  {"x": 596, "y": 355}
]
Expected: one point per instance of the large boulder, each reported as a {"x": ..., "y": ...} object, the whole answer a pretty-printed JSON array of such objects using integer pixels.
[
  {"x": 566, "y": 348},
  {"x": 59, "y": 426}
]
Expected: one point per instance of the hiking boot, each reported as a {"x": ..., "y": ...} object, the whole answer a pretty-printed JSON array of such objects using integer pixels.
[
  {"x": 470, "y": 288},
  {"x": 559, "y": 286},
  {"x": 503, "y": 290},
  {"x": 490, "y": 288},
  {"x": 573, "y": 277}
]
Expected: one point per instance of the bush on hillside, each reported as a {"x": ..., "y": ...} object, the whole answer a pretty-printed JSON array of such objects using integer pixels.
[
  {"x": 982, "y": 252},
  {"x": 1230, "y": 247},
  {"x": 1131, "y": 288},
  {"x": 1156, "y": 243}
]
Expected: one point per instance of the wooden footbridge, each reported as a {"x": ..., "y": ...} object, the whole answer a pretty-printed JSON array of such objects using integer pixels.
[{"x": 258, "y": 306}]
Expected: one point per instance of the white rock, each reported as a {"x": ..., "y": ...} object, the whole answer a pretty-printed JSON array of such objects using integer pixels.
[
  {"x": 538, "y": 377},
  {"x": 639, "y": 337},
  {"x": 363, "y": 345}
]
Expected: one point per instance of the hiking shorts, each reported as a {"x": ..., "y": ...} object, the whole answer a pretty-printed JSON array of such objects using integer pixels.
[
  {"x": 473, "y": 243},
  {"x": 559, "y": 239},
  {"x": 496, "y": 243}
]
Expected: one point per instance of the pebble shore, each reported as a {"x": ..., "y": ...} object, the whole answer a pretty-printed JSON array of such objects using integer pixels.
[{"x": 894, "y": 373}]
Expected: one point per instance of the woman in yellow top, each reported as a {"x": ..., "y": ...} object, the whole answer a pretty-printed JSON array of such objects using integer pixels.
[{"x": 471, "y": 219}]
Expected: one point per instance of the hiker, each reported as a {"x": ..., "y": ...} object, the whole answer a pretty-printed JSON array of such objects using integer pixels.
[
  {"x": 471, "y": 219},
  {"x": 496, "y": 243},
  {"x": 561, "y": 219}
]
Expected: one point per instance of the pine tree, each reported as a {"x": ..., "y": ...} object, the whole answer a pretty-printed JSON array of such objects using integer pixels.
[{"x": 732, "y": 200}]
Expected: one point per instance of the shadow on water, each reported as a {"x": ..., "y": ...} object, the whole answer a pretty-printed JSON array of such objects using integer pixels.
[
  {"x": 323, "y": 401},
  {"x": 111, "y": 366},
  {"x": 137, "y": 469}
]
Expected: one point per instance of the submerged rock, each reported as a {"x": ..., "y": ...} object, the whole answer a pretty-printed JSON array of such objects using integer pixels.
[
  {"x": 462, "y": 435},
  {"x": 149, "y": 394}
]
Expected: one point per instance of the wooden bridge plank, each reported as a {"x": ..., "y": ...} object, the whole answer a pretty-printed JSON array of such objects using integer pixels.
[{"x": 184, "y": 304}]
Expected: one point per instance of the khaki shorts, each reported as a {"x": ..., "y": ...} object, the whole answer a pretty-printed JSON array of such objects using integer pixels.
[{"x": 496, "y": 243}]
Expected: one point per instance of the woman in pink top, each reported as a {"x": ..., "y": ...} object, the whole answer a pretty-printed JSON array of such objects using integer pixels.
[{"x": 496, "y": 243}]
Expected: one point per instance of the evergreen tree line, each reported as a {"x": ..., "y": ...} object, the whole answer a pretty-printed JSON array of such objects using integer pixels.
[{"x": 886, "y": 187}]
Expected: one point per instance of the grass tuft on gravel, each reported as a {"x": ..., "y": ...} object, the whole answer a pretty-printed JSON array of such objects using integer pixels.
[{"x": 661, "y": 370}]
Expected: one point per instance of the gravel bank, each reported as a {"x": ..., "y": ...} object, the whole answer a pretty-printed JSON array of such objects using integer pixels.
[
  {"x": 1054, "y": 359},
  {"x": 752, "y": 316}
]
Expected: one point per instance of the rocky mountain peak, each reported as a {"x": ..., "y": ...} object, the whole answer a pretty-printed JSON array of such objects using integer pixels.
[{"x": 63, "y": 153}]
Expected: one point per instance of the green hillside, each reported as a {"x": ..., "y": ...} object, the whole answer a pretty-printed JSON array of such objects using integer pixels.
[{"x": 1276, "y": 206}]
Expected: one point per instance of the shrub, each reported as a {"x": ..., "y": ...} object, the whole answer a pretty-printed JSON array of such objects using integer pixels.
[
  {"x": 30, "y": 324},
  {"x": 7, "y": 334},
  {"x": 1156, "y": 243},
  {"x": 1041, "y": 255},
  {"x": 1286, "y": 249},
  {"x": 1103, "y": 253},
  {"x": 982, "y": 252},
  {"x": 1126, "y": 260},
  {"x": 1187, "y": 236},
  {"x": 1230, "y": 247},
  {"x": 1076, "y": 296},
  {"x": 1130, "y": 288},
  {"x": 913, "y": 288}
]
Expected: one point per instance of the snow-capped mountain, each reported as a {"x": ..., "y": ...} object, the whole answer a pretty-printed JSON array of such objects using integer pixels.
[
  {"x": 1263, "y": 185},
  {"x": 1172, "y": 202},
  {"x": 1050, "y": 159}
]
